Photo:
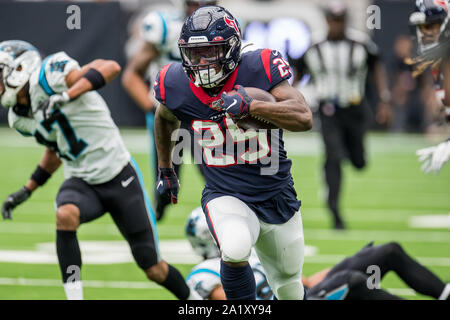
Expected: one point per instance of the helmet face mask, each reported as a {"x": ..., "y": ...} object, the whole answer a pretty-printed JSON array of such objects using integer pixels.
[
  {"x": 18, "y": 60},
  {"x": 210, "y": 45}
]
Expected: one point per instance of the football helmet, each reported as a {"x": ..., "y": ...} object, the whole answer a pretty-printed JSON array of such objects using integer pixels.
[
  {"x": 199, "y": 236},
  {"x": 18, "y": 60},
  {"x": 429, "y": 20},
  {"x": 210, "y": 46}
]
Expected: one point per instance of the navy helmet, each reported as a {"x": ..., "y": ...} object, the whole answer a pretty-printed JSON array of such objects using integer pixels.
[
  {"x": 427, "y": 13},
  {"x": 210, "y": 46}
]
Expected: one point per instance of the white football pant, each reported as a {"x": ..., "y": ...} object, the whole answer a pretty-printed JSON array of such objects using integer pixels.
[{"x": 280, "y": 247}]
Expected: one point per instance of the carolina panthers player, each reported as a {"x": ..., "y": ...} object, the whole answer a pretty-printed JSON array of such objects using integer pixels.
[
  {"x": 246, "y": 206},
  {"x": 56, "y": 102},
  {"x": 159, "y": 32},
  {"x": 204, "y": 278},
  {"x": 430, "y": 20},
  {"x": 347, "y": 280}
]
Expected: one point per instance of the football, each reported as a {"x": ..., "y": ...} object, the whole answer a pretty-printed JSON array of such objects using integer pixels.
[{"x": 252, "y": 121}]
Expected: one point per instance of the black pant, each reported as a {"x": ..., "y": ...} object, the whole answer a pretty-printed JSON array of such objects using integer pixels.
[
  {"x": 343, "y": 132},
  {"x": 351, "y": 274}
]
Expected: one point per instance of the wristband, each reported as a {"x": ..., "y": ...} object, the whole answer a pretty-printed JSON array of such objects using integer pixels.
[
  {"x": 40, "y": 176},
  {"x": 95, "y": 78}
]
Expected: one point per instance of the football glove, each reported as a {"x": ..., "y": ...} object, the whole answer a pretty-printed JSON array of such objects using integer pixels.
[
  {"x": 13, "y": 201},
  {"x": 53, "y": 103},
  {"x": 237, "y": 105},
  {"x": 167, "y": 184},
  {"x": 434, "y": 158}
]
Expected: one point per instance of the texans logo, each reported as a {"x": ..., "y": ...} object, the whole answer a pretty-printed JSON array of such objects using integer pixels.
[{"x": 232, "y": 24}]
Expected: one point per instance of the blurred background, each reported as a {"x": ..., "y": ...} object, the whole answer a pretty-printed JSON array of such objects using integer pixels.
[
  {"x": 109, "y": 30},
  {"x": 392, "y": 200}
]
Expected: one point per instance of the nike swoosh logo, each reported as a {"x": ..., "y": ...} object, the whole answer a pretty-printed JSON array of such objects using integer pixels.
[
  {"x": 159, "y": 184},
  {"x": 127, "y": 182},
  {"x": 234, "y": 102}
]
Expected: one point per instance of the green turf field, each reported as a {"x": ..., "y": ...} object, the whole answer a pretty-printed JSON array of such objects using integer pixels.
[{"x": 392, "y": 200}]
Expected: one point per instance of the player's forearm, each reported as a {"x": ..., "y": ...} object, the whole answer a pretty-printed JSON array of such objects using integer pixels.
[
  {"x": 292, "y": 114},
  {"x": 163, "y": 139},
  {"x": 78, "y": 83},
  {"x": 137, "y": 89},
  {"x": 50, "y": 162}
]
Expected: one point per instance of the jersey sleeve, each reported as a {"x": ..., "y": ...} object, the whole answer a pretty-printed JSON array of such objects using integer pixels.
[
  {"x": 54, "y": 69},
  {"x": 159, "y": 87},
  {"x": 276, "y": 67}
]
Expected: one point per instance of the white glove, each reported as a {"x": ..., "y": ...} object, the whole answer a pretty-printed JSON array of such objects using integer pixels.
[
  {"x": 53, "y": 103},
  {"x": 434, "y": 158}
]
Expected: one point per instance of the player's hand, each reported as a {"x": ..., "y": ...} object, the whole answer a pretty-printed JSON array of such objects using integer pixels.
[
  {"x": 237, "y": 105},
  {"x": 13, "y": 201},
  {"x": 167, "y": 184},
  {"x": 53, "y": 103},
  {"x": 434, "y": 158}
]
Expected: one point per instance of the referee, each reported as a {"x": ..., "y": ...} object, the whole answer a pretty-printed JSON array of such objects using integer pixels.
[{"x": 338, "y": 68}]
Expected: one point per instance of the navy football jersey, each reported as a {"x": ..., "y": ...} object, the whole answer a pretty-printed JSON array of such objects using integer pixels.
[{"x": 249, "y": 165}]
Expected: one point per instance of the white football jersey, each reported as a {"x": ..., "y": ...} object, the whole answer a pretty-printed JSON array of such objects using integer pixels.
[
  {"x": 205, "y": 277},
  {"x": 162, "y": 29},
  {"x": 82, "y": 131}
]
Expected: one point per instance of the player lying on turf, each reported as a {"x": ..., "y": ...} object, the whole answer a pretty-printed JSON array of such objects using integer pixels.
[
  {"x": 347, "y": 280},
  {"x": 55, "y": 102},
  {"x": 249, "y": 203}
]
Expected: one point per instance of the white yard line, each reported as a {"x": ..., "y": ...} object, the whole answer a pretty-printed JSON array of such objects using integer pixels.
[
  {"x": 86, "y": 283},
  {"x": 310, "y": 234},
  {"x": 126, "y": 285}
]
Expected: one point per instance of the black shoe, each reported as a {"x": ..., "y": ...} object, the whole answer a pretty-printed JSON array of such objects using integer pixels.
[{"x": 339, "y": 225}]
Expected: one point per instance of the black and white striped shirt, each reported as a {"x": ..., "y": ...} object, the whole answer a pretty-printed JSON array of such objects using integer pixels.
[{"x": 338, "y": 68}]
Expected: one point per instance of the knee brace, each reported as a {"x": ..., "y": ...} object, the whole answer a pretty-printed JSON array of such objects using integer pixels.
[
  {"x": 143, "y": 249},
  {"x": 235, "y": 242}
]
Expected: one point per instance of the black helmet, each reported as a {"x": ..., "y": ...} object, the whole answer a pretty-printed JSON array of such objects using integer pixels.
[
  {"x": 210, "y": 45},
  {"x": 428, "y": 12}
]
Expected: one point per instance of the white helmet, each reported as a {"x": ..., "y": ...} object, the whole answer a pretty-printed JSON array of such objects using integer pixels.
[
  {"x": 198, "y": 234},
  {"x": 18, "y": 60}
]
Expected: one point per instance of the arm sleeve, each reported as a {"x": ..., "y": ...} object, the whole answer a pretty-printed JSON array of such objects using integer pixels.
[
  {"x": 54, "y": 69},
  {"x": 373, "y": 53}
]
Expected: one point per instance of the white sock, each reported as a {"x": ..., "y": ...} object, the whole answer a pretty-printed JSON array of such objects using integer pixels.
[
  {"x": 445, "y": 293},
  {"x": 74, "y": 290}
]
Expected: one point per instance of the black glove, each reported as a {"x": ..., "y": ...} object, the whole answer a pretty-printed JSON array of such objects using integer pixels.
[
  {"x": 168, "y": 184},
  {"x": 13, "y": 201}
]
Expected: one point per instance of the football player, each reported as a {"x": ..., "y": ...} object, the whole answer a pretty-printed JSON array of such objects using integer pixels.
[
  {"x": 430, "y": 21},
  {"x": 249, "y": 197},
  {"x": 347, "y": 280},
  {"x": 159, "y": 32},
  {"x": 56, "y": 102}
]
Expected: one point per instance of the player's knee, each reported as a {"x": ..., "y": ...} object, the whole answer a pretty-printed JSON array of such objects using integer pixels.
[
  {"x": 235, "y": 243},
  {"x": 292, "y": 258},
  {"x": 67, "y": 217},
  {"x": 143, "y": 249},
  {"x": 290, "y": 290},
  {"x": 158, "y": 272},
  {"x": 393, "y": 249}
]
